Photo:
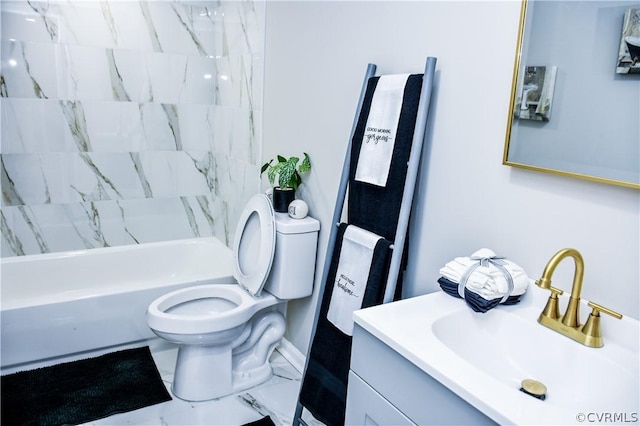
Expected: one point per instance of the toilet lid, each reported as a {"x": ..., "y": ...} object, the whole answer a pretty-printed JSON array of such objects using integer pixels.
[{"x": 254, "y": 245}]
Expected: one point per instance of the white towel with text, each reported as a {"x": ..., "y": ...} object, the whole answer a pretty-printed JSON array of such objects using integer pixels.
[
  {"x": 352, "y": 274},
  {"x": 380, "y": 131}
]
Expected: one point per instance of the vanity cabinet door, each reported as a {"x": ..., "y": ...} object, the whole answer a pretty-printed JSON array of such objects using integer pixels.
[
  {"x": 417, "y": 395},
  {"x": 367, "y": 407}
]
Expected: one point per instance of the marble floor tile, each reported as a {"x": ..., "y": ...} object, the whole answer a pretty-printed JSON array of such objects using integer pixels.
[{"x": 275, "y": 398}]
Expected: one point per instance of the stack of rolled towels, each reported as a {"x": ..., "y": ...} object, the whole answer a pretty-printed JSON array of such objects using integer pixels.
[{"x": 484, "y": 280}]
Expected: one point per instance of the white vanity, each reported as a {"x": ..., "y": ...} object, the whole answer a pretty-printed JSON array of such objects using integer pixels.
[
  {"x": 385, "y": 388},
  {"x": 432, "y": 360}
]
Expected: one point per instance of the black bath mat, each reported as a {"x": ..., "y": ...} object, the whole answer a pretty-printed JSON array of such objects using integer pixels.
[
  {"x": 82, "y": 391},
  {"x": 265, "y": 421}
]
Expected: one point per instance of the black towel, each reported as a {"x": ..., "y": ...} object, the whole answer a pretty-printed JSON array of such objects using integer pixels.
[
  {"x": 324, "y": 388},
  {"x": 371, "y": 207},
  {"x": 376, "y": 209}
]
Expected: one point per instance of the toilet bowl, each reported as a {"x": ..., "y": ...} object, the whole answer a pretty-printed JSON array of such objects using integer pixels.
[{"x": 226, "y": 332}]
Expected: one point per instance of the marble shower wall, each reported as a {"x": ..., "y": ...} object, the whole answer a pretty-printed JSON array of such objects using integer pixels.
[{"x": 127, "y": 122}]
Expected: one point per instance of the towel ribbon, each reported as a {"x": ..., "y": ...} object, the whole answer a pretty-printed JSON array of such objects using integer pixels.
[{"x": 496, "y": 261}]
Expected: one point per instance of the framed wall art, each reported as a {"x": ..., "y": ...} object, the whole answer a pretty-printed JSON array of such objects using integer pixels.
[{"x": 629, "y": 53}]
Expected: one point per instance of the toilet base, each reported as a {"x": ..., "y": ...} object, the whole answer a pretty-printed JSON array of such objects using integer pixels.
[
  {"x": 200, "y": 381},
  {"x": 208, "y": 372},
  {"x": 202, "y": 372}
]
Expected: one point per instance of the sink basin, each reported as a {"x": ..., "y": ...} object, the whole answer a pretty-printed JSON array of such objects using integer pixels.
[
  {"x": 510, "y": 348},
  {"x": 484, "y": 357}
]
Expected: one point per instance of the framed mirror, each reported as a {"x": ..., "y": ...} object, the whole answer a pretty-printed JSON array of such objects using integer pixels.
[{"x": 575, "y": 97}]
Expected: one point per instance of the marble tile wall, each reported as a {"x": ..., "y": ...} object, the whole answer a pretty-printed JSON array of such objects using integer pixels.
[{"x": 127, "y": 122}]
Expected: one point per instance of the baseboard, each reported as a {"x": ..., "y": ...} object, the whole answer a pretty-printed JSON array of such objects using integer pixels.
[{"x": 291, "y": 354}]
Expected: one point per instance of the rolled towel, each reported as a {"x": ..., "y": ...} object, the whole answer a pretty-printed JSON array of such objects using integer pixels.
[
  {"x": 484, "y": 280},
  {"x": 487, "y": 279}
]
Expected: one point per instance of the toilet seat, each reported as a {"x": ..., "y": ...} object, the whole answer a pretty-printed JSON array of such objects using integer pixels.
[
  {"x": 160, "y": 317},
  {"x": 255, "y": 238},
  {"x": 232, "y": 304}
]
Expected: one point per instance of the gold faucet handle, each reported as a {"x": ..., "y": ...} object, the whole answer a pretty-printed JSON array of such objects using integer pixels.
[
  {"x": 591, "y": 330},
  {"x": 555, "y": 292},
  {"x": 551, "y": 309},
  {"x": 599, "y": 308}
]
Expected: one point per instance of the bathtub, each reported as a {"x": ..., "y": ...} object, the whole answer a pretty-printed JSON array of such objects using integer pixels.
[{"x": 58, "y": 304}]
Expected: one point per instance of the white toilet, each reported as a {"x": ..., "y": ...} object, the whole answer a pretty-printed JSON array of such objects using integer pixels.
[{"x": 227, "y": 332}]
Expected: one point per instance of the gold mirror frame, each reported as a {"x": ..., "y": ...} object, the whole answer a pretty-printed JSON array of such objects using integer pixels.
[{"x": 512, "y": 103}]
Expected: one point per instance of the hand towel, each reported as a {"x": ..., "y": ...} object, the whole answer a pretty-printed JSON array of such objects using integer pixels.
[
  {"x": 380, "y": 131},
  {"x": 351, "y": 277}
]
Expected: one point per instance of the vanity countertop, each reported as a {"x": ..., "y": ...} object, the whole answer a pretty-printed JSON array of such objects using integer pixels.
[{"x": 484, "y": 357}]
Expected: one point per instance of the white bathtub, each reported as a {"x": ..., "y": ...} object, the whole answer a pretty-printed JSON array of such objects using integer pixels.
[{"x": 58, "y": 304}]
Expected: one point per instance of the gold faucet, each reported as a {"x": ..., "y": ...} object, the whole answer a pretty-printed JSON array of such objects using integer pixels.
[{"x": 569, "y": 324}]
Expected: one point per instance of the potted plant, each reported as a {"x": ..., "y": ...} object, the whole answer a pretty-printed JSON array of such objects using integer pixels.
[{"x": 285, "y": 178}]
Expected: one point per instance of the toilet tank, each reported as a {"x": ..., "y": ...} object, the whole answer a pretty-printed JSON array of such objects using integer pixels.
[{"x": 294, "y": 261}]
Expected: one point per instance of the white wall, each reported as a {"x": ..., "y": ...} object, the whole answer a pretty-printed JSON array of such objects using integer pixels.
[{"x": 316, "y": 56}]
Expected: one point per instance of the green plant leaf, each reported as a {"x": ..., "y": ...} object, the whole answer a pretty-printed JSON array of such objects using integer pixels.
[
  {"x": 297, "y": 180},
  {"x": 281, "y": 159},
  {"x": 265, "y": 166},
  {"x": 305, "y": 166},
  {"x": 286, "y": 172},
  {"x": 273, "y": 171}
]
